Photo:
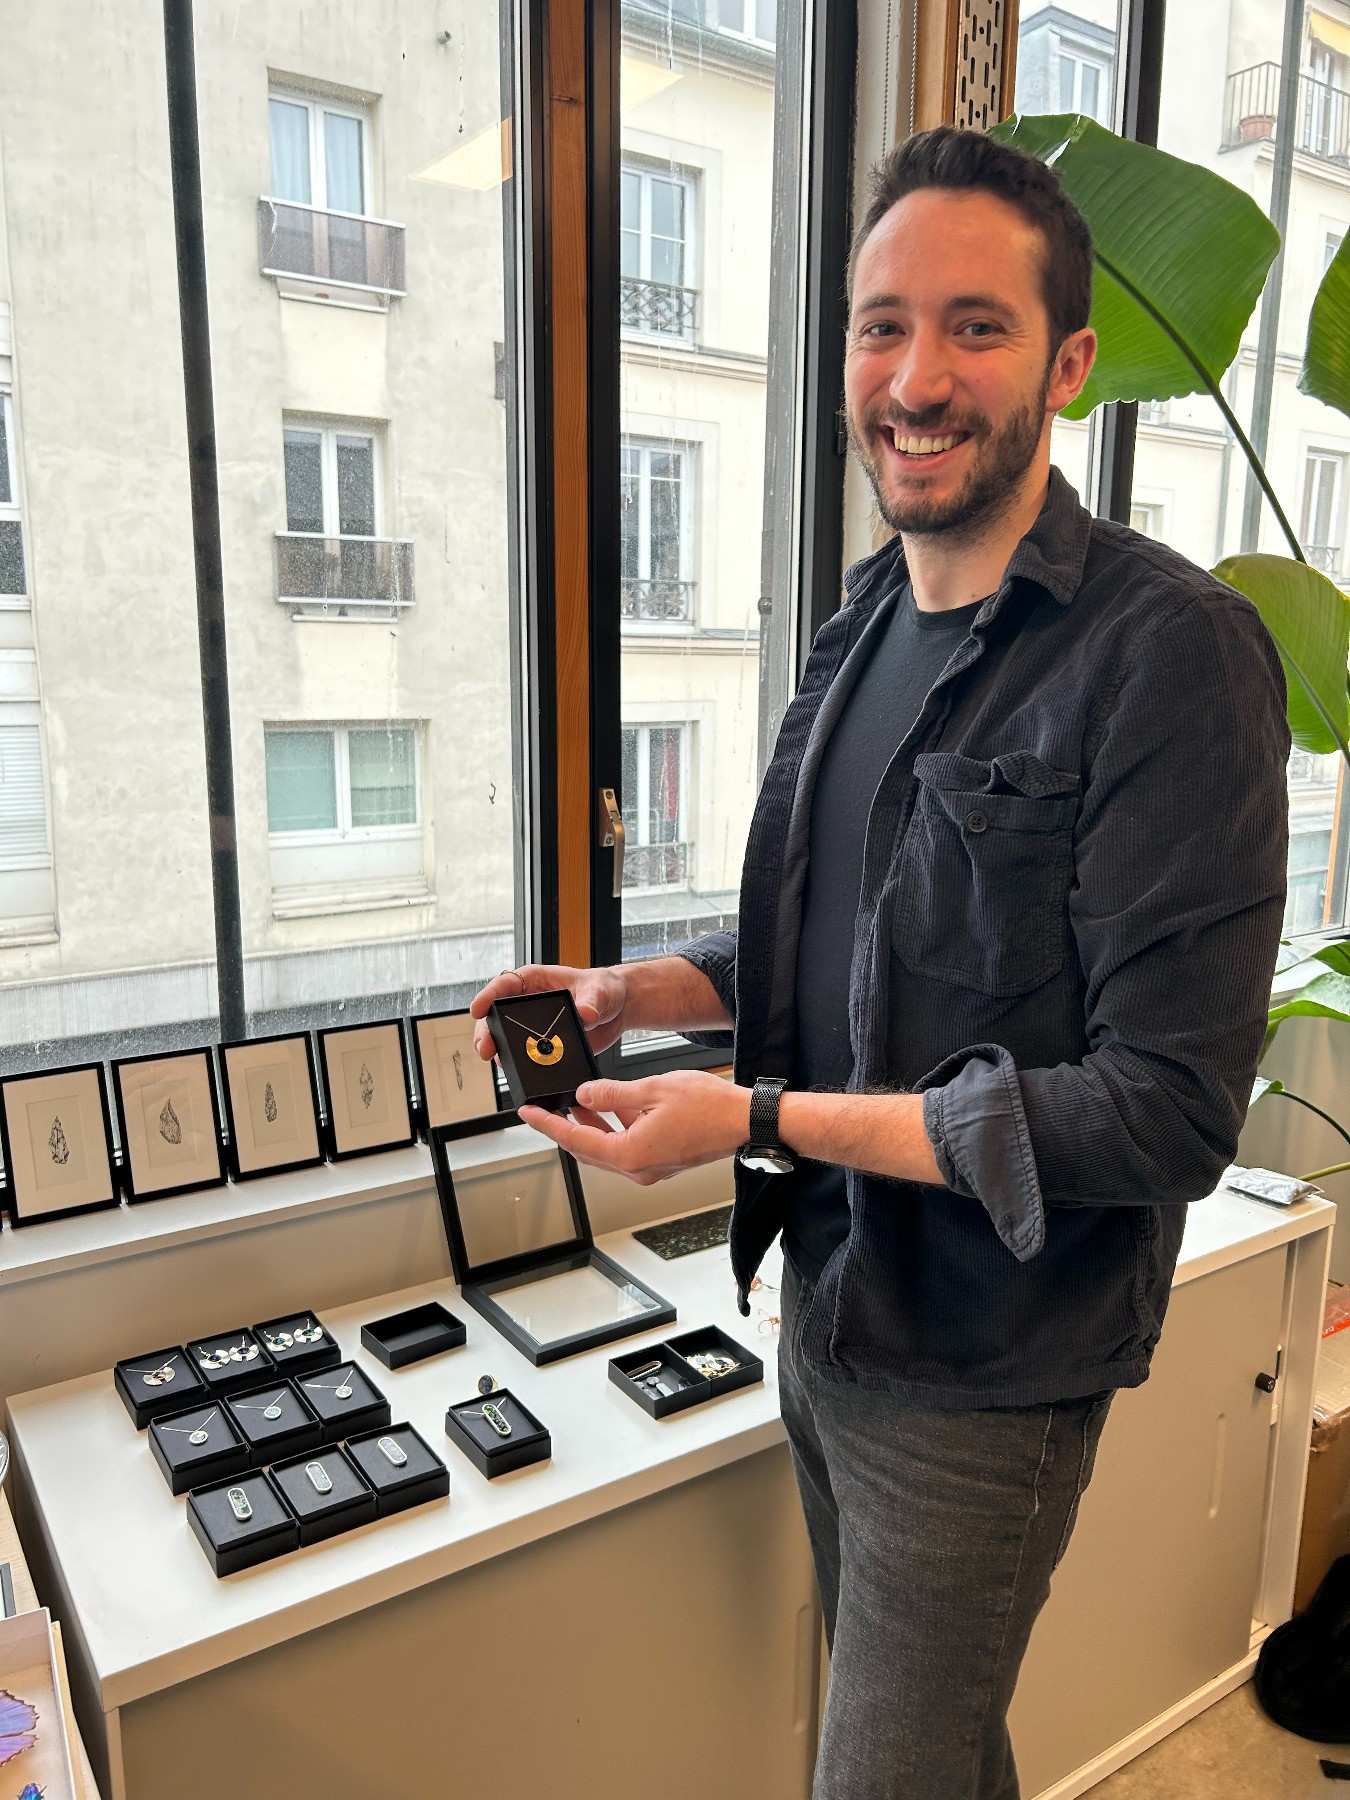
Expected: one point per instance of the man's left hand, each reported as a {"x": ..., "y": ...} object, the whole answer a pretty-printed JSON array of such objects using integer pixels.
[{"x": 668, "y": 1123}]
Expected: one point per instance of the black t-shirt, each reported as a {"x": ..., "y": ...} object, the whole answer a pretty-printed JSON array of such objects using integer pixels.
[{"x": 912, "y": 651}]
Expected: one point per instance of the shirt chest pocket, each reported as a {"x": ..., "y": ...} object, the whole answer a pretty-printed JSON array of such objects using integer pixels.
[{"x": 984, "y": 872}]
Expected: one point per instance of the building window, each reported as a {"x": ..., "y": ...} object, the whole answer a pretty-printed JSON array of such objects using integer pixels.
[
  {"x": 13, "y": 579},
  {"x": 1084, "y": 83},
  {"x": 655, "y": 786},
  {"x": 656, "y": 216},
  {"x": 27, "y": 895},
  {"x": 315, "y": 227},
  {"x": 332, "y": 551},
  {"x": 1321, "y": 531},
  {"x": 1155, "y": 412},
  {"x": 656, "y": 527},
  {"x": 1331, "y": 243},
  {"x": 756, "y": 19},
  {"x": 344, "y": 817},
  {"x": 1146, "y": 516}
]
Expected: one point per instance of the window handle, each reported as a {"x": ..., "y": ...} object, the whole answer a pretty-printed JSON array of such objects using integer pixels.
[{"x": 609, "y": 825}]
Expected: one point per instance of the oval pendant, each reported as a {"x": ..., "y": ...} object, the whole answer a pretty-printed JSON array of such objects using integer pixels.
[
  {"x": 200, "y": 1437},
  {"x": 344, "y": 1392},
  {"x": 272, "y": 1412}
]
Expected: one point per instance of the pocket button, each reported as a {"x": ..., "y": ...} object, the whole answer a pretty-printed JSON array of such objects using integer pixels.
[{"x": 976, "y": 821}]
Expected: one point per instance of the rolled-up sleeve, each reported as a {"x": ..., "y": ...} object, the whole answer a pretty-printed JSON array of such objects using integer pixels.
[
  {"x": 715, "y": 956},
  {"x": 1176, "y": 907}
]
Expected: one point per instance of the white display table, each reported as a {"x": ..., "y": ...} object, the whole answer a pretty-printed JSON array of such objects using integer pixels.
[{"x": 638, "y": 1614}]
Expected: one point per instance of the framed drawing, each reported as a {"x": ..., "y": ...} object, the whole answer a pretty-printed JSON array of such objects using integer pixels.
[
  {"x": 57, "y": 1140},
  {"x": 271, "y": 1104},
  {"x": 170, "y": 1124},
  {"x": 365, "y": 1082},
  {"x": 455, "y": 1083}
]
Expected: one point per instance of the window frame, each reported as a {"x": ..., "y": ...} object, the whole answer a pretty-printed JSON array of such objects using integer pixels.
[
  {"x": 642, "y": 730},
  {"x": 748, "y": 11},
  {"x": 345, "y": 832},
  {"x": 11, "y": 510},
  {"x": 686, "y": 451},
  {"x": 329, "y": 430},
  {"x": 316, "y": 102},
  {"x": 632, "y": 163}
]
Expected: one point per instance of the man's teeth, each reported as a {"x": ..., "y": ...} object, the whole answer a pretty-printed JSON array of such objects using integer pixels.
[{"x": 925, "y": 446}]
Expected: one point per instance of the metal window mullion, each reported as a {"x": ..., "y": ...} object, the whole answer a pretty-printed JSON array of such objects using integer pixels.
[
  {"x": 644, "y": 513},
  {"x": 687, "y": 508},
  {"x": 642, "y": 781},
  {"x": 328, "y": 480},
  {"x": 342, "y": 776},
  {"x": 318, "y": 163}
]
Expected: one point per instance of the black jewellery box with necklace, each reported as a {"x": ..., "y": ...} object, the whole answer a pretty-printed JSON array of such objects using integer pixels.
[
  {"x": 543, "y": 1048},
  {"x": 195, "y": 1447},
  {"x": 157, "y": 1384},
  {"x": 496, "y": 1432},
  {"x": 524, "y": 1256},
  {"x": 345, "y": 1400}
]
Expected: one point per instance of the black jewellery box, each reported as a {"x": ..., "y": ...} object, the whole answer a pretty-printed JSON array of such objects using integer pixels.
[
  {"x": 198, "y": 1446},
  {"x": 544, "y": 1051},
  {"x": 408, "y": 1337},
  {"x": 345, "y": 1400},
  {"x": 325, "y": 1492},
  {"x": 685, "y": 1370},
  {"x": 298, "y": 1344},
  {"x": 229, "y": 1361},
  {"x": 497, "y": 1433},
  {"x": 241, "y": 1522},
  {"x": 401, "y": 1466},
  {"x": 158, "y": 1383},
  {"x": 274, "y": 1422},
  {"x": 523, "y": 1254}
]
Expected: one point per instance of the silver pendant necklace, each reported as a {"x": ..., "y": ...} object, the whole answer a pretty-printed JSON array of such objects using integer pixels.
[
  {"x": 156, "y": 1377},
  {"x": 198, "y": 1433},
  {"x": 343, "y": 1389},
  {"x": 270, "y": 1409}
]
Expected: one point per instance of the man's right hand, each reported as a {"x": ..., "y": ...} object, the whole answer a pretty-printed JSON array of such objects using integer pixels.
[{"x": 601, "y": 996}]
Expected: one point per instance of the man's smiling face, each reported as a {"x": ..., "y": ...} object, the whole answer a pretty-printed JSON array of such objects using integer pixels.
[{"x": 950, "y": 376}]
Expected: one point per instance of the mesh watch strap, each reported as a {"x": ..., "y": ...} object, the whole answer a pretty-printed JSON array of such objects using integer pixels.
[{"x": 764, "y": 1099}]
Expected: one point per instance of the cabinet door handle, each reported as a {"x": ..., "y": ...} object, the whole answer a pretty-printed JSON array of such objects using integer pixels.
[{"x": 1267, "y": 1383}]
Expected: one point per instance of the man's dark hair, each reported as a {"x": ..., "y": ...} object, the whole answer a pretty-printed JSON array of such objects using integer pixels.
[{"x": 970, "y": 162}]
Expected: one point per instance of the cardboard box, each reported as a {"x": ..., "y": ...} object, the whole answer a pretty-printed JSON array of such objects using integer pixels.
[{"x": 1326, "y": 1504}]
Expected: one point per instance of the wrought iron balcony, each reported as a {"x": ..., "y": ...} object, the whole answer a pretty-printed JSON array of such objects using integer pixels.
[
  {"x": 329, "y": 249},
  {"x": 656, "y": 865},
  {"x": 657, "y": 307},
  {"x": 336, "y": 571},
  {"x": 656, "y": 600},
  {"x": 1321, "y": 122},
  {"x": 1326, "y": 557}
]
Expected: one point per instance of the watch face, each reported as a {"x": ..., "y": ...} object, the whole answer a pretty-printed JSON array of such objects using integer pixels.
[{"x": 766, "y": 1162}]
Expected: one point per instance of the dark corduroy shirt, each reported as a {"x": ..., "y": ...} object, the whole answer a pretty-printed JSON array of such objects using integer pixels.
[{"x": 1072, "y": 892}]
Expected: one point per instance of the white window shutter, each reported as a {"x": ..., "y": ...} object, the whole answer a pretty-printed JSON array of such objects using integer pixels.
[{"x": 23, "y": 806}]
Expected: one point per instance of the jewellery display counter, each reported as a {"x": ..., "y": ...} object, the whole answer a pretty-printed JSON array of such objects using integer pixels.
[{"x": 655, "y": 1549}]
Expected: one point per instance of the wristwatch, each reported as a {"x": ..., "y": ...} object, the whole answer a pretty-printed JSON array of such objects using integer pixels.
[{"x": 764, "y": 1153}]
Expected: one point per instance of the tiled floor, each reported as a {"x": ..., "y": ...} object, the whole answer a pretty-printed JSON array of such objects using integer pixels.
[{"x": 1231, "y": 1752}]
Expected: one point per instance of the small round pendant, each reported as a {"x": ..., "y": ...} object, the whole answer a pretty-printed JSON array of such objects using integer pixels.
[
  {"x": 200, "y": 1437},
  {"x": 344, "y": 1392},
  {"x": 272, "y": 1412}
]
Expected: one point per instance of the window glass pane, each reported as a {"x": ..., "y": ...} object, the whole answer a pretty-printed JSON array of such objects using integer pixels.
[
  {"x": 383, "y": 777},
  {"x": 1089, "y": 102},
  {"x": 1220, "y": 101},
  {"x": 1067, "y": 97},
  {"x": 23, "y": 807},
  {"x": 304, "y": 480},
  {"x": 709, "y": 257},
  {"x": 356, "y": 486},
  {"x": 301, "y": 788},
  {"x": 289, "y": 132},
  {"x": 342, "y": 163},
  {"x": 6, "y": 491},
  {"x": 11, "y": 558}
]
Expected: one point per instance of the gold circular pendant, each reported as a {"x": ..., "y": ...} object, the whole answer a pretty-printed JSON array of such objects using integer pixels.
[{"x": 544, "y": 1050}]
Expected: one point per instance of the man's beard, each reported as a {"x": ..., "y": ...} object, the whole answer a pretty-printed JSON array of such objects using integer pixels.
[{"x": 1000, "y": 461}]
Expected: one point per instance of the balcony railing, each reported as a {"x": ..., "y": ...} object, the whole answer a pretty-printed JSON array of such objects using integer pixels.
[
  {"x": 1326, "y": 557},
  {"x": 335, "y": 571},
  {"x": 330, "y": 249},
  {"x": 656, "y": 600},
  {"x": 1321, "y": 124},
  {"x": 657, "y": 307},
  {"x": 656, "y": 865}
]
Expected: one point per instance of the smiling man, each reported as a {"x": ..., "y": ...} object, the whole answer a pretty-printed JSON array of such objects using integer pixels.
[{"x": 1011, "y": 904}]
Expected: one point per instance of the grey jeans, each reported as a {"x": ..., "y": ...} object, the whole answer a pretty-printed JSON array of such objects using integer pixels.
[{"x": 934, "y": 1536}]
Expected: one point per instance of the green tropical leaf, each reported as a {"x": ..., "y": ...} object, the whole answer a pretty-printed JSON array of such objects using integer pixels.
[
  {"x": 1326, "y": 357},
  {"x": 1336, "y": 956},
  {"x": 1262, "y": 1086},
  {"x": 1309, "y": 618},
  {"x": 1182, "y": 256},
  {"x": 1325, "y": 997}
]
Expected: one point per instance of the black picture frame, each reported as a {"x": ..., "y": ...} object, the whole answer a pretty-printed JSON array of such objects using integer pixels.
[
  {"x": 481, "y": 1282},
  {"x": 465, "y": 1124},
  {"x": 227, "y": 1078},
  {"x": 400, "y": 1138},
  {"x": 130, "y": 1178},
  {"x": 19, "y": 1214}
]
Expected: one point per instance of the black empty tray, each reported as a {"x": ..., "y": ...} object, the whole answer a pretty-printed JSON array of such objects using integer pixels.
[{"x": 407, "y": 1337}]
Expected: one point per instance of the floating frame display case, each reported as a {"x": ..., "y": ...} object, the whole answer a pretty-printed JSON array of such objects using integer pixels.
[
  {"x": 271, "y": 1091},
  {"x": 56, "y": 1133},
  {"x": 456, "y": 1086},
  {"x": 169, "y": 1120},
  {"x": 524, "y": 1256},
  {"x": 365, "y": 1084}
]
